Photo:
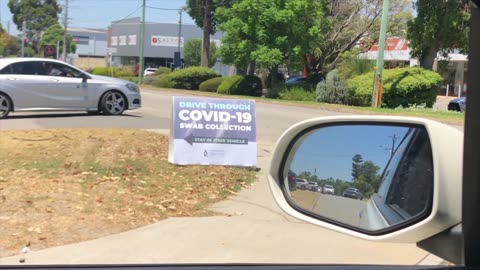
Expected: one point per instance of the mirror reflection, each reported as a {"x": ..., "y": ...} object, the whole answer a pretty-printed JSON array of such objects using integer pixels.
[{"x": 368, "y": 176}]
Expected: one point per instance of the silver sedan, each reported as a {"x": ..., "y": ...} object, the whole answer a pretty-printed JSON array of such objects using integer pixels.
[{"x": 38, "y": 84}]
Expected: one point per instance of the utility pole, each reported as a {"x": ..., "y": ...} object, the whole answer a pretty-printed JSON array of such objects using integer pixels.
[
  {"x": 179, "y": 48},
  {"x": 392, "y": 150},
  {"x": 142, "y": 45},
  {"x": 24, "y": 31},
  {"x": 65, "y": 22},
  {"x": 179, "y": 30},
  {"x": 58, "y": 49},
  {"x": 8, "y": 27},
  {"x": 377, "y": 85}
]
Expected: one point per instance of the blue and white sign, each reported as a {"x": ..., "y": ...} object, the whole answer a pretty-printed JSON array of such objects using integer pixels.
[{"x": 212, "y": 131}]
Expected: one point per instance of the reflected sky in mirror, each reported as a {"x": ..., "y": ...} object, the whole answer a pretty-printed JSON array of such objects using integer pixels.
[{"x": 328, "y": 152}]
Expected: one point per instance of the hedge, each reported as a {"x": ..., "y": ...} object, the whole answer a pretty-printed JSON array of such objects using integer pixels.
[
  {"x": 162, "y": 70},
  {"x": 401, "y": 87},
  {"x": 116, "y": 71},
  {"x": 189, "y": 78},
  {"x": 241, "y": 85},
  {"x": 211, "y": 85},
  {"x": 164, "y": 82}
]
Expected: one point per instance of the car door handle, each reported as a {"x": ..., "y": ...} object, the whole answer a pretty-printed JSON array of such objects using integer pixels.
[
  {"x": 11, "y": 79},
  {"x": 54, "y": 80}
]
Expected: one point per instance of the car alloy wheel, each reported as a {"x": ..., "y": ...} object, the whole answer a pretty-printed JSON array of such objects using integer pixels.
[
  {"x": 4, "y": 106},
  {"x": 113, "y": 103}
]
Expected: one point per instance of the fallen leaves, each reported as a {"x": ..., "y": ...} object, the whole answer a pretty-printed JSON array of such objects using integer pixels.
[{"x": 103, "y": 184}]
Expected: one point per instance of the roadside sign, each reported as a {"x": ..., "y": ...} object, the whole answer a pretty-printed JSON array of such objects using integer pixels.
[{"x": 212, "y": 131}]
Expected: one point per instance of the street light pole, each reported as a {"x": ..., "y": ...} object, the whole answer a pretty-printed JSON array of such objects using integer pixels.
[
  {"x": 377, "y": 85},
  {"x": 141, "y": 65}
]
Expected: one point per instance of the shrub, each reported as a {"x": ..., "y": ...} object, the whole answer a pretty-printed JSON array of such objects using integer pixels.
[
  {"x": 211, "y": 85},
  {"x": 298, "y": 94},
  {"x": 274, "y": 92},
  {"x": 115, "y": 71},
  {"x": 241, "y": 85},
  {"x": 163, "y": 82},
  {"x": 152, "y": 79},
  {"x": 350, "y": 65},
  {"x": 190, "y": 78},
  {"x": 333, "y": 90},
  {"x": 401, "y": 86},
  {"x": 161, "y": 71},
  {"x": 227, "y": 84}
]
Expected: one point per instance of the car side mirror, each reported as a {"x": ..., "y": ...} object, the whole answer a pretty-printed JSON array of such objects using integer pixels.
[
  {"x": 394, "y": 178},
  {"x": 84, "y": 77}
]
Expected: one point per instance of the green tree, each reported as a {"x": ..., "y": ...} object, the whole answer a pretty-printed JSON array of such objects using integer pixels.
[
  {"x": 203, "y": 13},
  {"x": 357, "y": 166},
  {"x": 440, "y": 26},
  {"x": 38, "y": 15},
  {"x": 269, "y": 32},
  {"x": 365, "y": 175},
  {"x": 193, "y": 50},
  {"x": 54, "y": 34},
  {"x": 350, "y": 23},
  {"x": 9, "y": 45}
]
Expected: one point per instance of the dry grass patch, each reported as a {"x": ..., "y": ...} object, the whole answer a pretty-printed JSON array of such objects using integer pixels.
[{"x": 62, "y": 186}]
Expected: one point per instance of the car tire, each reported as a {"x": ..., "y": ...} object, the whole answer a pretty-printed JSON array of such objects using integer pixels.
[
  {"x": 113, "y": 103},
  {"x": 303, "y": 187},
  {"x": 5, "y": 106}
]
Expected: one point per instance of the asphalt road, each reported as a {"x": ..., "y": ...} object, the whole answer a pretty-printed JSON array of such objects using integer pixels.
[
  {"x": 272, "y": 119},
  {"x": 255, "y": 229}
]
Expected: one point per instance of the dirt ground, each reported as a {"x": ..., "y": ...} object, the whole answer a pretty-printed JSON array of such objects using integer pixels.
[{"x": 63, "y": 186}]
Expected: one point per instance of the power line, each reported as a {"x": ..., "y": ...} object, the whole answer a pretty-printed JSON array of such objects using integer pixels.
[
  {"x": 126, "y": 17},
  {"x": 172, "y": 9}
]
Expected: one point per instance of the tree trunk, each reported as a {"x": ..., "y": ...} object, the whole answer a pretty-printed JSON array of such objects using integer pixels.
[
  {"x": 206, "y": 33},
  {"x": 427, "y": 61},
  {"x": 273, "y": 76},
  {"x": 251, "y": 68}
]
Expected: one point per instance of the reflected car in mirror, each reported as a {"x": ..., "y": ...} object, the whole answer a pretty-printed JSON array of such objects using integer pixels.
[{"x": 352, "y": 193}]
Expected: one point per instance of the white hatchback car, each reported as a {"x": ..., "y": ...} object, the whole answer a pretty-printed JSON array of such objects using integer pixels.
[
  {"x": 38, "y": 84},
  {"x": 149, "y": 71}
]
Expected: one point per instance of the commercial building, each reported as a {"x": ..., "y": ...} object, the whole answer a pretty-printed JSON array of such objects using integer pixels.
[
  {"x": 453, "y": 67},
  {"x": 91, "y": 47},
  {"x": 161, "y": 43}
]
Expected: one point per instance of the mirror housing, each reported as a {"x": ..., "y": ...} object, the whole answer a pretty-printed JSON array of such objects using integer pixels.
[
  {"x": 84, "y": 77},
  {"x": 447, "y": 154}
]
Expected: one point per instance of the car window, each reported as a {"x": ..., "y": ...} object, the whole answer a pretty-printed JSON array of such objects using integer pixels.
[
  {"x": 389, "y": 171},
  {"x": 57, "y": 69},
  {"x": 413, "y": 177},
  {"x": 23, "y": 68}
]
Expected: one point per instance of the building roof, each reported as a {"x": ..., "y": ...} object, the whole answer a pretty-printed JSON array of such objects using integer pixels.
[{"x": 87, "y": 30}]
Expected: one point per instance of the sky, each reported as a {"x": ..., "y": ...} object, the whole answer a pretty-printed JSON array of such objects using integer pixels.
[
  {"x": 99, "y": 13},
  {"x": 330, "y": 150}
]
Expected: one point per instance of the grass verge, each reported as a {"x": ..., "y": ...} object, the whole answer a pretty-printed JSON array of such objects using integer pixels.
[
  {"x": 63, "y": 186},
  {"x": 448, "y": 117}
]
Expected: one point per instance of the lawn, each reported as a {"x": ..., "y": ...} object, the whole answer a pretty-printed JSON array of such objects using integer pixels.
[
  {"x": 62, "y": 186},
  {"x": 449, "y": 117}
]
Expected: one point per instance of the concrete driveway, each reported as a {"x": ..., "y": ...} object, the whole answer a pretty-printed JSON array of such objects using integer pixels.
[{"x": 254, "y": 229}]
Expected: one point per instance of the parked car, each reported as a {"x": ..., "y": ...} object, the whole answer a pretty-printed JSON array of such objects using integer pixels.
[
  {"x": 328, "y": 189},
  {"x": 457, "y": 104},
  {"x": 295, "y": 80},
  {"x": 302, "y": 184},
  {"x": 292, "y": 180},
  {"x": 353, "y": 193},
  {"x": 33, "y": 84},
  {"x": 314, "y": 186},
  {"x": 149, "y": 71}
]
